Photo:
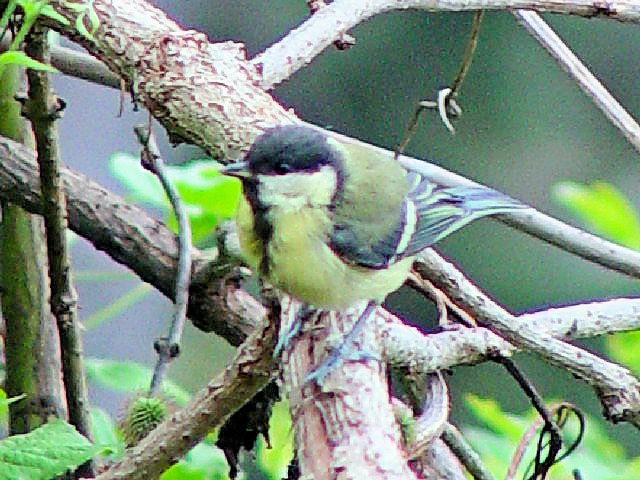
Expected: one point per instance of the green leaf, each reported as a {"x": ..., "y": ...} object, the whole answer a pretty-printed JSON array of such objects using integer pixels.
[
  {"x": 130, "y": 377},
  {"x": 143, "y": 186},
  {"x": 6, "y": 14},
  {"x": 44, "y": 453},
  {"x": 202, "y": 462},
  {"x": 490, "y": 412},
  {"x": 49, "y": 11},
  {"x": 623, "y": 348},
  {"x": 117, "y": 306},
  {"x": 274, "y": 461},
  {"x": 603, "y": 208},
  {"x": 207, "y": 196},
  {"x": 16, "y": 57},
  {"x": 5, "y": 402},
  {"x": 105, "y": 433}
]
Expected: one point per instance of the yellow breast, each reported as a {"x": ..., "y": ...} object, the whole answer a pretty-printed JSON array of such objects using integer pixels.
[{"x": 304, "y": 266}]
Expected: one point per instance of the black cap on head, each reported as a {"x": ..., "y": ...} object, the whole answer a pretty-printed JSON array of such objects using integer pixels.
[{"x": 291, "y": 148}]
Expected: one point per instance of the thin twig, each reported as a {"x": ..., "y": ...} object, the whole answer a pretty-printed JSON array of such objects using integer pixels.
[
  {"x": 301, "y": 45},
  {"x": 472, "y": 43},
  {"x": 467, "y": 455},
  {"x": 589, "y": 84},
  {"x": 252, "y": 368},
  {"x": 617, "y": 388},
  {"x": 169, "y": 348},
  {"x": 529, "y": 434},
  {"x": 443, "y": 302},
  {"x": 43, "y": 109},
  {"x": 446, "y": 103},
  {"x": 541, "y": 467}
]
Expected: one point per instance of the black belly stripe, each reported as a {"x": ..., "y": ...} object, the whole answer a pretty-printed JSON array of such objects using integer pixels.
[{"x": 262, "y": 227}]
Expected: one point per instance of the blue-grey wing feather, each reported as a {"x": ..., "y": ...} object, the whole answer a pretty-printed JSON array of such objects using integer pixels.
[
  {"x": 441, "y": 210},
  {"x": 429, "y": 213}
]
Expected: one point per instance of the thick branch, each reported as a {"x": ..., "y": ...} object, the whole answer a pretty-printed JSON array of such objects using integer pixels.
[
  {"x": 131, "y": 237},
  {"x": 346, "y": 428},
  {"x": 202, "y": 92}
]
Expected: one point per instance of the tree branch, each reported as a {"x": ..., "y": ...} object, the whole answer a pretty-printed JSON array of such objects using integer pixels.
[
  {"x": 135, "y": 239},
  {"x": 43, "y": 108},
  {"x": 251, "y": 369},
  {"x": 304, "y": 43},
  {"x": 406, "y": 346},
  {"x": 617, "y": 389},
  {"x": 577, "y": 70}
]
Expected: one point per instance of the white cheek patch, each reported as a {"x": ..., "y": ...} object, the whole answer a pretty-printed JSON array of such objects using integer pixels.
[{"x": 297, "y": 190}]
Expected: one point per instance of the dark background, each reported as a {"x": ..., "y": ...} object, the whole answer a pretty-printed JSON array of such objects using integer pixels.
[{"x": 525, "y": 126}]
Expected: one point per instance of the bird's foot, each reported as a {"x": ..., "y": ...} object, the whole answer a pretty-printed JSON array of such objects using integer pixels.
[{"x": 345, "y": 351}]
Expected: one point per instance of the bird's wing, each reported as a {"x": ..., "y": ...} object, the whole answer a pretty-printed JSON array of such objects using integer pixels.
[
  {"x": 356, "y": 245},
  {"x": 369, "y": 215},
  {"x": 440, "y": 211}
]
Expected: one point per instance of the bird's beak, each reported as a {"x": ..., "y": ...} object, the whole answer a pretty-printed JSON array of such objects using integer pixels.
[{"x": 238, "y": 169}]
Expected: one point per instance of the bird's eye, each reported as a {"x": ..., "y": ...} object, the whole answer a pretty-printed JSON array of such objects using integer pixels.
[{"x": 281, "y": 168}]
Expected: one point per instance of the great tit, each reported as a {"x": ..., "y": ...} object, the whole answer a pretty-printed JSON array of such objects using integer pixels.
[{"x": 333, "y": 224}]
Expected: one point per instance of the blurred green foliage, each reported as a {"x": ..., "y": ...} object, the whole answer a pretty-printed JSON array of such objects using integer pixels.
[
  {"x": 603, "y": 208},
  {"x": 130, "y": 377},
  {"x": 597, "y": 457},
  {"x": 607, "y": 211},
  {"x": 207, "y": 196}
]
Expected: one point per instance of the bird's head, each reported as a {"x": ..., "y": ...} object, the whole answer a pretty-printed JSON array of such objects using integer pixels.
[{"x": 290, "y": 167}]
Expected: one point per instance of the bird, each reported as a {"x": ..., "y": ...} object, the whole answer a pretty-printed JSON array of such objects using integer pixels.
[{"x": 335, "y": 224}]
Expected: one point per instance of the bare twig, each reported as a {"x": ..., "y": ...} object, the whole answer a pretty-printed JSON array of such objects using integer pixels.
[
  {"x": 529, "y": 434},
  {"x": 589, "y": 84},
  {"x": 304, "y": 43},
  {"x": 405, "y": 346},
  {"x": 251, "y": 369},
  {"x": 617, "y": 389},
  {"x": 169, "y": 348},
  {"x": 43, "y": 109},
  {"x": 472, "y": 43},
  {"x": 442, "y": 301},
  {"x": 541, "y": 467},
  {"x": 467, "y": 455},
  {"x": 446, "y": 103}
]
